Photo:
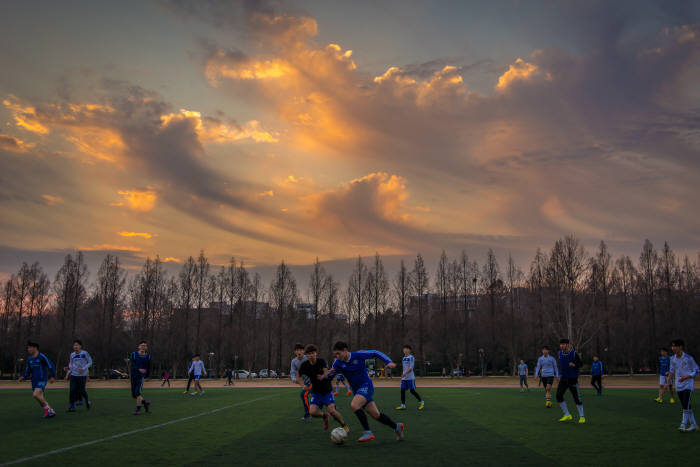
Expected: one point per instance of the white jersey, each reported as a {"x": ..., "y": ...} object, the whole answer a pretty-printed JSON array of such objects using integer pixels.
[
  {"x": 197, "y": 368},
  {"x": 408, "y": 362},
  {"x": 79, "y": 363},
  {"x": 684, "y": 366}
]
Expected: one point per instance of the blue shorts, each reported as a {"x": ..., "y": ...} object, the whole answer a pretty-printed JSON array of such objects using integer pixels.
[
  {"x": 409, "y": 384},
  {"x": 366, "y": 391},
  {"x": 197, "y": 377},
  {"x": 321, "y": 400},
  {"x": 39, "y": 385},
  {"x": 340, "y": 378}
]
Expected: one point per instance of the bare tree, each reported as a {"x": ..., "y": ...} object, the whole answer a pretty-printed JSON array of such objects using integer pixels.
[
  {"x": 317, "y": 282},
  {"x": 111, "y": 280},
  {"x": 358, "y": 286},
  {"x": 492, "y": 283},
  {"x": 187, "y": 294},
  {"x": 419, "y": 286},
  {"x": 283, "y": 293},
  {"x": 402, "y": 285},
  {"x": 647, "y": 281}
]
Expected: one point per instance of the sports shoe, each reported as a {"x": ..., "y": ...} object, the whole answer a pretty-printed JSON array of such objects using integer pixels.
[
  {"x": 548, "y": 404},
  {"x": 49, "y": 413},
  {"x": 306, "y": 418},
  {"x": 367, "y": 437},
  {"x": 566, "y": 418},
  {"x": 185, "y": 391},
  {"x": 346, "y": 428},
  {"x": 192, "y": 393},
  {"x": 672, "y": 401},
  {"x": 147, "y": 406},
  {"x": 582, "y": 420},
  {"x": 692, "y": 428},
  {"x": 70, "y": 409},
  {"x": 399, "y": 432},
  {"x": 201, "y": 393},
  {"x": 659, "y": 400},
  {"x": 326, "y": 416},
  {"x": 137, "y": 412},
  {"x": 88, "y": 404},
  {"x": 335, "y": 393},
  {"x": 401, "y": 407},
  {"x": 682, "y": 428},
  {"x": 421, "y": 405},
  {"x": 349, "y": 392}
]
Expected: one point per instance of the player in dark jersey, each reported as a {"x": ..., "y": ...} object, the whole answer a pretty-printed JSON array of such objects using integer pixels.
[
  {"x": 314, "y": 372},
  {"x": 40, "y": 370},
  {"x": 570, "y": 363},
  {"x": 140, "y": 365}
]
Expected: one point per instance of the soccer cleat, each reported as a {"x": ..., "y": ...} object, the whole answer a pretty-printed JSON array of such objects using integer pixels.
[
  {"x": 401, "y": 407},
  {"x": 326, "y": 416},
  {"x": 399, "y": 432},
  {"x": 348, "y": 393},
  {"x": 147, "y": 406},
  {"x": 692, "y": 428},
  {"x": 682, "y": 428},
  {"x": 192, "y": 394},
  {"x": 185, "y": 391},
  {"x": 582, "y": 420},
  {"x": 548, "y": 404},
  {"x": 137, "y": 412},
  {"x": 421, "y": 405},
  {"x": 196, "y": 392},
  {"x": 672, "y": 401},
  {"x": 201, "y": 393},
  {"x": 566, "y": 418},
  {"x": 346, "y": 428},
  {"x": 367, "y": 437},
  {"x": 70, "y": 409},
  {"x": 305, "y": 418},
  {"x": 659, "y": 400},
  {"x": 335, "y": 393},
  {"x": 88, "y": 404},
  {"x": 49, "y": 413}
]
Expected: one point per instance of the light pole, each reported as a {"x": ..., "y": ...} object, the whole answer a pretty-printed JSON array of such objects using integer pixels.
[
  {"x": 235, "y": 364},
  {"x": 481, "y": 359},
  {"x": 211, "y": 357}
]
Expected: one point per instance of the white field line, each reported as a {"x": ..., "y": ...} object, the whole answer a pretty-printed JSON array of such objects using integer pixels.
[{"x": 127, "y": 433}]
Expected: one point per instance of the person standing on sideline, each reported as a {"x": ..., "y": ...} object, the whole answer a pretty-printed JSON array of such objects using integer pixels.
[
  {"x": 684, "y": 369},
  {"x": 79, "y": 363},
  {"x": 597, "y": 375},
  {"x": 523, "y": 372}
]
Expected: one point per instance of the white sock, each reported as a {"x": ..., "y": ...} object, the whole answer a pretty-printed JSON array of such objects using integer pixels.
[
  {"x": 563, "y": 407},
  {"x": 580, "y": 410},
  {"x": 692, "y": 417},
  {"x": 685, "y": 417}
]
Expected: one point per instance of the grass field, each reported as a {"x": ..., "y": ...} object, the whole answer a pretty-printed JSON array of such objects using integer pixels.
[{"x": 262, "y": 427}]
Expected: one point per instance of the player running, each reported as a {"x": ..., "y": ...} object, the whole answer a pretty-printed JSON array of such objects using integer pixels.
[
  {"x": 664, "y": 365},
  {"x": 353, "y": 366},
  {"x": 293, "y": 372},
  {"x": 314, "y": 373},
  {"x": 523, "y": 373},
  {"x": 78, "y": 364},
  {"x": 684, "y": 369},
  {"x": 140, "y": 365},
  {"x": 41, "y": 370},
  {"x": 570, "y": 362},
  {"x": 597, "y": 375},
  {"x": 197, "y": 370},
  {"x": 547, "y": 369},
  {"x": 340, "y": 379},
  {"x": 408, "y": 378}
]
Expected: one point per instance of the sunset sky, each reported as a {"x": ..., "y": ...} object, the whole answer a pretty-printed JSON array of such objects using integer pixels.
[{"x": 290, "y": 130}]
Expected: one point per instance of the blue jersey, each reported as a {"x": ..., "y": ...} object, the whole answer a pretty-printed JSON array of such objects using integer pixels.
[
  {"x": 547, "y": 366},
  {"x": 409, "y": 363},
  {"x": 139, "y": 362},
  {"x": 568, "y": 371},
  {"x": 597, "y": 368},
  {"x": 355, "y": 369},
  {"x": 39, "y": 368},
  {"x": 664, "y": 365}
]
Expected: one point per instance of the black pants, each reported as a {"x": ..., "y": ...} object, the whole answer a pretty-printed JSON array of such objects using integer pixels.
[
  {"x": 684, "y": 397},
  {"x": 572, "y": 385},
  {"x": 165, "y": 381},
  {"x": 597, "y": 383},
  {"x": 190, "y": 378},
  {"x": 77, "y": 389}
]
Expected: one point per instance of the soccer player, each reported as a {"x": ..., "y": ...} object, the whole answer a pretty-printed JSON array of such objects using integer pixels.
[
  {"x": 78, "y": 364},
  {"x": 597, "y": 375},
  {"x": 140, "y": 366},
  {"x": 166, "y": 378},
  {"x": 352, "y": 365},
  {"x": 570, "y": 362},
  {"x": 229, "y": 377},
  {"x": 41, "y": 370},
  {"x": 190, "y": 377},
  {"x": 547, "y": 369},
  {"x": 684, "y": 369},
  {"x": 197, "y": 369},
  {"x": 340, "y": 379},
  {"x": 298, "y": 359},
  {"x": 314, "y": 373},
  {"x": 408, "y": 378},
  {"x": 664, "y": 365},
  {"x": 523, "y": 372}
]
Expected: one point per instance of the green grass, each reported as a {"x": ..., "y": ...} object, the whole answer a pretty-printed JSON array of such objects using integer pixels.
[{"x": 458, "y": 426}]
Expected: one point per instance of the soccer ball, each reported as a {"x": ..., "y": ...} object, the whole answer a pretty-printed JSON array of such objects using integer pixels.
[{"x": 338, "y": 435}]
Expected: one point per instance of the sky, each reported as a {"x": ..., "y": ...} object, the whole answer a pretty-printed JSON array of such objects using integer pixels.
[{"x": 272, "y": 131}]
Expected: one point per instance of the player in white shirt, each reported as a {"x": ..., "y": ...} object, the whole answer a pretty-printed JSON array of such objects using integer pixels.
[
  {"x": 198, "y": 370},
  {"x": 408, "y": 378},
  {"x": 684, "y": 370}
]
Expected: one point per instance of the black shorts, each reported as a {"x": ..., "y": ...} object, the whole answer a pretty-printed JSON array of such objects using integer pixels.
[
  {"x": 572, "y": 385},
  {"x": 547, "y": 380},
  {"x": 136, "y": 386}
]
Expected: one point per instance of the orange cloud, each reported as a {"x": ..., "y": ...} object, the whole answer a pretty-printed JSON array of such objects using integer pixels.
[
  {"x": 520, "y": 71},
  {"x": 52, "y": 200},
  {"x": 109, "y": 247},
  {"x": 24, "y": 116},
  {"x": 10, "y": 143},
  {"x": 138, "y": 200},
  {"x": 135, "y": 234},
  {"x": 213, "y": 130},
  {"x": 170, "y": 259},
  {"x": 99, "y": 143}
]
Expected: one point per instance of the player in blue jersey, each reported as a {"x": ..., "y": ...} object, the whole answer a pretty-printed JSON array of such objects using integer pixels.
[
  {"x": 523, "y": 373},
  {"x": 79, "y": 363},
  {"x": 664, "y": 365},
  {"x": 570, "y": 362},
  {"x": 684, "y": 369},
  {"x": 140, "y": 364},
  {"x": 597, "y": 375},
  {"x": 197, "y": 370},
  {"x": 352, "y": 365},
  {"x": 40, "y": 370},
  {"x": 340, "y": 379},
  {"x": 408, "y": 378},
  {"x": 547, "y": 369}
]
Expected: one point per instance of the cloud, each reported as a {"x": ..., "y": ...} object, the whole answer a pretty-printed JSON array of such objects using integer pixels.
[
  {"x": 52, "y": 200},
  {"x": 135, "y": 234},
  {"x": 110, "y": 247},
  {"x": 138, "y": 200},
  {"x": 11, "y": 143},
  {"x": 211, "y": 129}
]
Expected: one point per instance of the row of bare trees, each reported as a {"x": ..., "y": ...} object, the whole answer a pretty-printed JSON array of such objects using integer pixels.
[{"x": 464, "y": 315}]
